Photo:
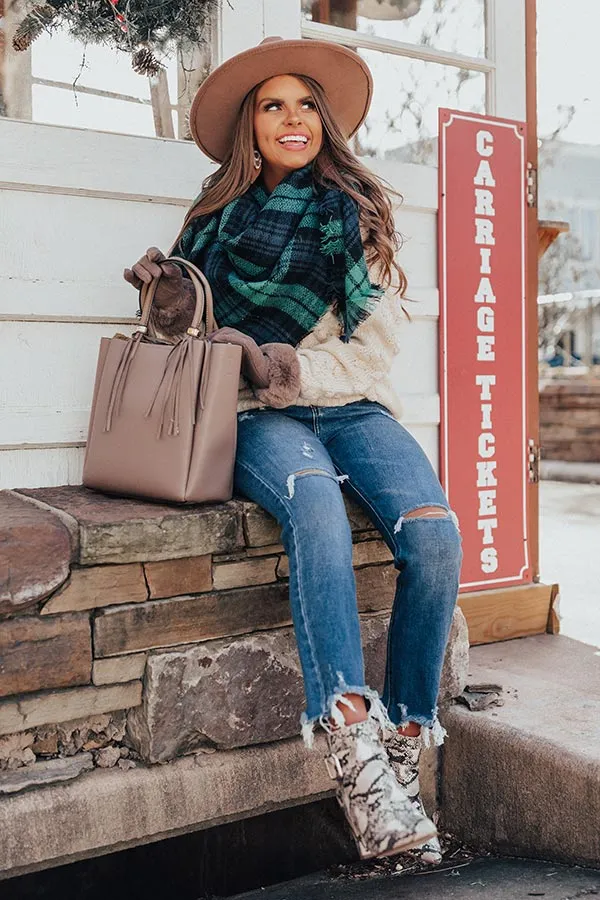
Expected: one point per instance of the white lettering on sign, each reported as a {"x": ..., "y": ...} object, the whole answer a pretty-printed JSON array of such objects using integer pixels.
[
  {"x": 486, "y": 415},
  {"x": 487, "y": 521},
  {"x": 487, "y": 506},
  {"x": 485, "y": 318},
  {"x": 489, "y": 560},
  {"x": 484, "y": 232},
  {"x": 484, "y": 141},
  {"x": 484, "y": 174},
  {"x": 483, "y": 203},
  {"x": 487, "y": 444},
  {"x": 485, "y": 382},
  {"x": 485, "y": 293},
  {"x": 485, "y": 474},
  {"x": 485, "y": 344},
  {"x": 484, "y": 255}
]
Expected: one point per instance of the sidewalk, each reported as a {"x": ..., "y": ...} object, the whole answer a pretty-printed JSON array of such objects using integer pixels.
[
  {"x": 490, "y": 878},
  {"x": 569, "y": 542}
]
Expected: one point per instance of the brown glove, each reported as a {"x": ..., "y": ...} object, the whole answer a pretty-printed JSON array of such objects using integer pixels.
[
  {"x": 150, "y": 266},
  {"x": 174, "y": 300},
  {"x": 255, "y": 365},
  {"x": 273, "y": 369}
]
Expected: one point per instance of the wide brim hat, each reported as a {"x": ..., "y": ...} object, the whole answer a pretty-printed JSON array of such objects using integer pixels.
[{"x": 342, "y": 74}]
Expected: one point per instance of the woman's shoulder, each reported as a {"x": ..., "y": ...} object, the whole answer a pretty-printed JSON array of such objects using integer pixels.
[{"x": 384, "y": 323}]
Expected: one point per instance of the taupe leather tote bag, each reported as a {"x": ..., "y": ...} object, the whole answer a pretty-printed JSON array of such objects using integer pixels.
[{"x": 163, "y": 424}]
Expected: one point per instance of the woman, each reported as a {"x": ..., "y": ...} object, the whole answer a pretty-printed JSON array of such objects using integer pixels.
[{"x": 289, "y": 231}]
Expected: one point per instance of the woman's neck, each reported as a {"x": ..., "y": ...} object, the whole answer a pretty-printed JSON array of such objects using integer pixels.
[{"x": 272, "y": 176}]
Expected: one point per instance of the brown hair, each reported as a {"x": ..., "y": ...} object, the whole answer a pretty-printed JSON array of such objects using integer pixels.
[{"x": 335, "y": 166}]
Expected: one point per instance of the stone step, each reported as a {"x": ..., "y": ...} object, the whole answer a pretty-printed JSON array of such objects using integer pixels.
[
  {"x": 110, "y": 809},
  {"x": 105, "y": 810},
  {"x": 524, "y": 778}
]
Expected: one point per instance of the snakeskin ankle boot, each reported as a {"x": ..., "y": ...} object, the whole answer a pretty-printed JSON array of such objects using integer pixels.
[
  {"x": 404, "y": 753},
  {"x": 380, "y": 814}
]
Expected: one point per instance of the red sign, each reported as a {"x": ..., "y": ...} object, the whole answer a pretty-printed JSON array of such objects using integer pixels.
[{"x": 484, "y": 459}]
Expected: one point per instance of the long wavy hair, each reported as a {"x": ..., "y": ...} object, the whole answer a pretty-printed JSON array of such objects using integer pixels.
[{"x": 335, "y": 166}]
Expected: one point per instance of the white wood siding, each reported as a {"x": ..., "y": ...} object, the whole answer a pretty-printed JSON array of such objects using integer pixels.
[{"x": 76, "y": 207}]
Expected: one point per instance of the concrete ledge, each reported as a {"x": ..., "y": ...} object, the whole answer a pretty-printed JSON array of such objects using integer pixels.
[
  {"x": 524, "y": 778},
  {"x": 110, "y": 809}
]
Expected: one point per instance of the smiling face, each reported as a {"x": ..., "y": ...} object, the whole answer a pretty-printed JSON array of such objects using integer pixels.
[{"x": 287, "y": 127}]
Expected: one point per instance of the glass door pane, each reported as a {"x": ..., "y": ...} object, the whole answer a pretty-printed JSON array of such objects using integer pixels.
[
  {"x": 403, "y": 120},
  {"x": 453, "y": 25}
]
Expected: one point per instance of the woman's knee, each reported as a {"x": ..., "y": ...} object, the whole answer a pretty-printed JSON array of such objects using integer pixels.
[
  {"x": 315, "y": 519},
  {"x": 429, "y": 534},
  {"x": 313, "y": 497}
]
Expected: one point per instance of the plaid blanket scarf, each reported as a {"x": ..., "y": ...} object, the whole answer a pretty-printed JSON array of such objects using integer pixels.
[{"x": 277, "y": 262}]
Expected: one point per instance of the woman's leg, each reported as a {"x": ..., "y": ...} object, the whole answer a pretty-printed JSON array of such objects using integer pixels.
[
  {"x": 284, "y": 467},
  {"x": 390, "y": 476}
]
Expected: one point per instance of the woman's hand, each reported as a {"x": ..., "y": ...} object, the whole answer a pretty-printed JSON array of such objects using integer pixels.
[
  {"x": 150, "y": 266},
  {"x": 255, "y": 365},
  {"x": 273, "y": 369}
]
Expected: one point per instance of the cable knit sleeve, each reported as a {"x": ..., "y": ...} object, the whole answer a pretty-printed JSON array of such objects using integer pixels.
[{"x": 332, "y": 369}]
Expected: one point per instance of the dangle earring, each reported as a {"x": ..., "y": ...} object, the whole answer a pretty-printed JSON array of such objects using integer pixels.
[{"x": 257, "y": 161}]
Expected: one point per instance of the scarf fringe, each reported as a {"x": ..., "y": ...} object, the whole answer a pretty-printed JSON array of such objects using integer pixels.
[
  {"x": 332, "y": 238},
  {"x": 360, "y": 313}
]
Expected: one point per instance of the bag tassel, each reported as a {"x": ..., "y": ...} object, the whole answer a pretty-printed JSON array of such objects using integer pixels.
[
  {"x": 118, "y": 385},
  {"x": 173, "y": 373},
  {"x": 204, "y": 373}
]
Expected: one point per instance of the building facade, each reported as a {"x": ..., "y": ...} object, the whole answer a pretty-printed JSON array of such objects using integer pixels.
[{"x": 86, "y": 186}]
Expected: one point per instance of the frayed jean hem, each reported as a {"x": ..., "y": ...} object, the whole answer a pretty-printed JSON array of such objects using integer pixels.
[
  {"x": 432, "y": 730},
  {"x": 335, "y": 717}
]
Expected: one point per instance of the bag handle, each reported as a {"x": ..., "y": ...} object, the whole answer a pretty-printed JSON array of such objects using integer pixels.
[{"x": 204, "y": 309}]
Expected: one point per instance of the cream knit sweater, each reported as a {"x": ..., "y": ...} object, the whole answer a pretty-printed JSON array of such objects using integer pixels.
[{"x": 333, "y": 373}]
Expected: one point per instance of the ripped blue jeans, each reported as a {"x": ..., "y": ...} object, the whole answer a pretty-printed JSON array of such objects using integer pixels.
[{"x": 295, "y": 463}]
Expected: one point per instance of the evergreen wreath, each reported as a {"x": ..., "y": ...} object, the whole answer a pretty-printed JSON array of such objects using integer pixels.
[{"x": 143, "y": 28}]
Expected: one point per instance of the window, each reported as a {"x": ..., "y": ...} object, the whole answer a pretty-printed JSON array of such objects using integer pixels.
[
  {"x": 63, "y": 81},
  {"x": 403, "y": 119},
  {"x": 589, "y": 233},
  {"x": 90, "y": 87},
  {"x": 457, "y": 26},
  {"x": 424, "y": 54}
]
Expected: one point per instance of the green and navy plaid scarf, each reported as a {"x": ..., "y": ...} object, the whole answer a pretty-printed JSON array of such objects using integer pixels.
[{"x": 277, "y": 262}]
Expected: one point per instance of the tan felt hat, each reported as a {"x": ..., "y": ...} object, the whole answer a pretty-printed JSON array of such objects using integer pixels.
[{"x": 342, "y": 74}]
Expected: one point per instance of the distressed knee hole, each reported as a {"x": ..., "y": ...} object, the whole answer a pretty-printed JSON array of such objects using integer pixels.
[
  {"x": 427, "y": 512},
  {"x": 291, "y": 481}
]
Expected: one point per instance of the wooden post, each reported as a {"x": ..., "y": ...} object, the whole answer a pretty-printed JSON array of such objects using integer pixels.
[
  {"x": 161, "y": 105},
  {"x": 193, "y": 68},
  {"x": 531, "y": 282},
  {"x": 321, "y": 11},
  {"x": 344, "y": 14},
  {"x": 588, "y": 352},
  {"x": 15, "y": 71}
]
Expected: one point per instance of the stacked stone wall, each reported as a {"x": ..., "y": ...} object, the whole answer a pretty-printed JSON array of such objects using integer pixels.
[
  {"x": 570, "y": 421},
  {"x": 134, "y": 633}
]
